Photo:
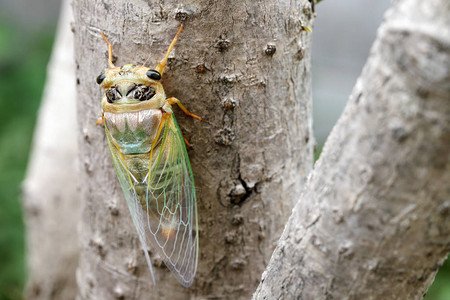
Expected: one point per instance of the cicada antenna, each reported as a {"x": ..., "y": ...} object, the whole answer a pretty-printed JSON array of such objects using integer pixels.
[
  {"x": 161, "y": 65},
  {"x": 110, "y": 56}
]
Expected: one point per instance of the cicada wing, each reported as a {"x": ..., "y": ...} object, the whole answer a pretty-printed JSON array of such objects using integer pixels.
[
  {"x": 138, "y": 215},
  {"x": 165, "y": 215},
  {"x": 172, "y": 204}
]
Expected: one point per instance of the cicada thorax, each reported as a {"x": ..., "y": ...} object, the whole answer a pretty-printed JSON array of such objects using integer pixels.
[{"x": 133, "y": 132}]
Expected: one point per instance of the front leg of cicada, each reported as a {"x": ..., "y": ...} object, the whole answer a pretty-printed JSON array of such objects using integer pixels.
[
  {"x": 168, "y": 108},
  {"x": 173, "y": 100},
  {"x": 100, "y": 120}
]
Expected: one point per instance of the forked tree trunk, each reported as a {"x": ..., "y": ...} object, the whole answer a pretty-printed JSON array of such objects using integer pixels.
[
  {"x": 244, "y": 67},
  {"x": 374, "y": 219}
]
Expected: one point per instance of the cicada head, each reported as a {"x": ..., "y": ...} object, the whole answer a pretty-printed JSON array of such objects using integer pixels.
[{"x": 131, "y": 86}]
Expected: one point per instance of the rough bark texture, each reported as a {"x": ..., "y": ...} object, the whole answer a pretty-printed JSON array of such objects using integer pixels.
[
  {"x": 251, "y": 152},
  {"x": 374, "y": 219},
  {"x": 51, "y": 204}
]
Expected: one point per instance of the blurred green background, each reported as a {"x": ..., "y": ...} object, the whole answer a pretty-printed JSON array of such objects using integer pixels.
[
  {"x": 22, "y": 74},
  {"x": 25, "y": 46},
  {"x": 26, "y": 36}
]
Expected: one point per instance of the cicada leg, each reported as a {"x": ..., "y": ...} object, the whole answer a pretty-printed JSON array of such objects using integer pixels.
[
  {"x": 100, "y": 121},
  {"x": 173, "y": 100},
  {"x": 187, "y": 143}
]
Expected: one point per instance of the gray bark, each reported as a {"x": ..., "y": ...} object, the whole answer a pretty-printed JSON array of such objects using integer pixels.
[
  {"x": 374, "y": 219},
  {"x": 251, "y": 152},
  {"x": 51, "y": 203}
]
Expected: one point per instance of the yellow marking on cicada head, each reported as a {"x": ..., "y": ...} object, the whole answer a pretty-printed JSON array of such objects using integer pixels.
[{"x": 162, "y": 64}]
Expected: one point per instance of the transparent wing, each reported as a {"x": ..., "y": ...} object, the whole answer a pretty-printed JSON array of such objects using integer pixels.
[
  {"x": 163, "y": 206},
  {"x": 171, "y": 204},
  {"x": 131, "y": 197}
]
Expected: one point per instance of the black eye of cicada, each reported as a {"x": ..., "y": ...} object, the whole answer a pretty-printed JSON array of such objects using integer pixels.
[
  {"x": 153, "y": 74},
  {"x": 143, "y": 92},
  {"x": 112, "y": 94},
  {"x": 100, "y": 78}
]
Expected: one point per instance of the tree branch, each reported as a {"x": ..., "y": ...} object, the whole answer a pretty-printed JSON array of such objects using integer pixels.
[{"x": 374, "y": 219}]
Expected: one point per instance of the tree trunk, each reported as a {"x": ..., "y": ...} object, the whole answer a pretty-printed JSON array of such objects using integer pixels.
[
  {"x": 51, "y": 204},
  {"x": 244, "y": 67},
  {"x": 374, "y": 219}
]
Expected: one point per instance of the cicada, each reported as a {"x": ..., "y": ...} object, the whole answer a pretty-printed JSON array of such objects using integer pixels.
[{"x": 150, "y": 158}]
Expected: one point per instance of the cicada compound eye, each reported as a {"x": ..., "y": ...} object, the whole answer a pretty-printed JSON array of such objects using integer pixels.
[
  {"x": 143, "y": 92},
  {"x": 152, "y": 74},
  {"x": 112, "y": 94},
  {"x": 100, "y": 78}
]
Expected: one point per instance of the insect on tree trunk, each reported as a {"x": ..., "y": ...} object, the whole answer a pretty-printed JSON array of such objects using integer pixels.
[{"x": 244, "y": 67}]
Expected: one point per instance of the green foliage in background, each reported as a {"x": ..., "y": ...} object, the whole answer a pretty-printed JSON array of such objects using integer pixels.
[
  {"x": 23, "y": 61},
  {"x": 440, "y": 289}
]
